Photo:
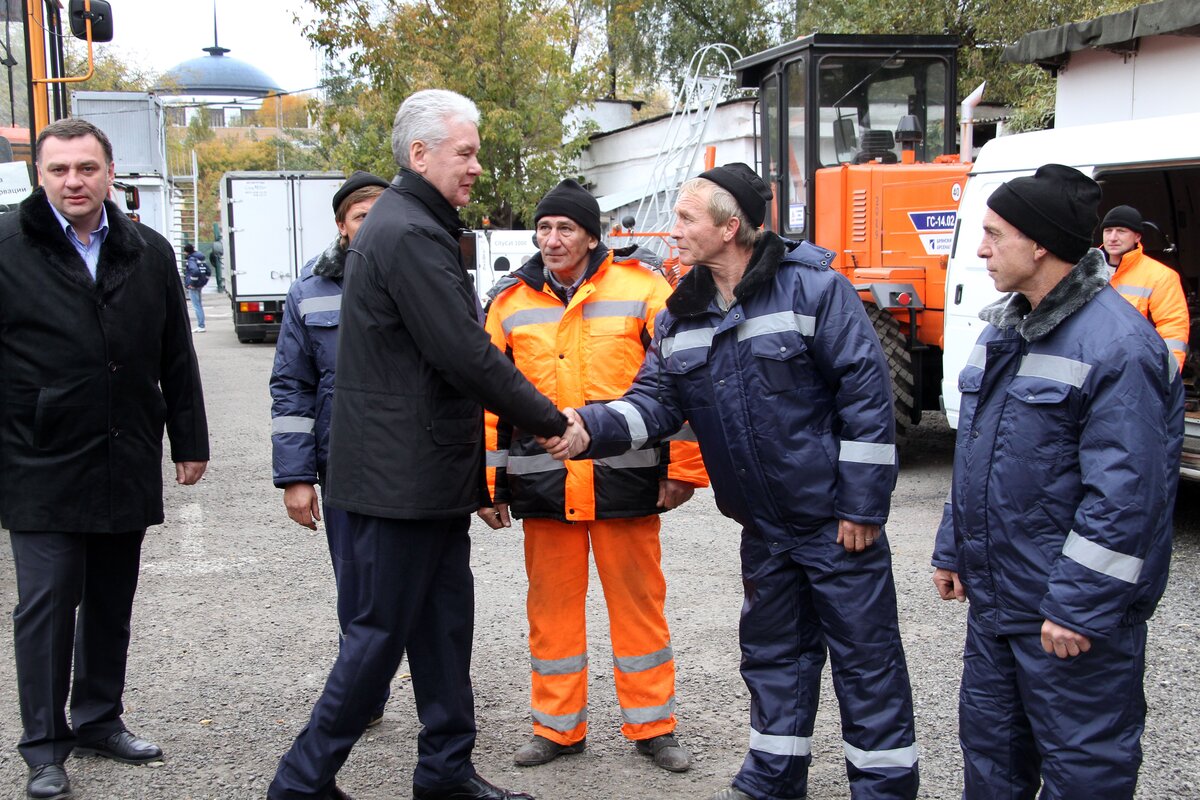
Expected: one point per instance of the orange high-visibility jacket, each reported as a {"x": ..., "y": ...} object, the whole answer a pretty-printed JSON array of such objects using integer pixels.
[
  {"x": 1155, "y": 291},
  {"x": 587, "y": 351}
]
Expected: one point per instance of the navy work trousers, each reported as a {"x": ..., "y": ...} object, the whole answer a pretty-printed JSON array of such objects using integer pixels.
[
  {"x": 57, "y": 573},
  {"x": 799, "y": 602},
  {"x": 350, "y": 594},
  {"x": 1026, "y": 716},
  {"x": 417, "y": 595}
]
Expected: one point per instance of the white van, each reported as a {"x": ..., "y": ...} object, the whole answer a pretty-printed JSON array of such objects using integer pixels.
[
  {"x": 1151, "y": 164},
  {"x": 496, "y": 254}
]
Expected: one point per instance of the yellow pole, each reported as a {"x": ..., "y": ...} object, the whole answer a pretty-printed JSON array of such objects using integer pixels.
[
  {"x": 39, "y": 81},
  {"x": 39, "y": 91}
]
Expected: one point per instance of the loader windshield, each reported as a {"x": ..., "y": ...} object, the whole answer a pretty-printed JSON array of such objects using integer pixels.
[{"x": 862, "y": 99}]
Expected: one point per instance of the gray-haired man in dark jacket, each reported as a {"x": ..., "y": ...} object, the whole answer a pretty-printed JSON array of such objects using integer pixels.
[{"x": 406, "y": 461}]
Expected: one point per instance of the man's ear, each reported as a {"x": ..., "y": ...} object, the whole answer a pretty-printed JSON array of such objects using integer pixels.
[
  {"x": 731, "y": 228},
  {"x": 417, "y": 151}
]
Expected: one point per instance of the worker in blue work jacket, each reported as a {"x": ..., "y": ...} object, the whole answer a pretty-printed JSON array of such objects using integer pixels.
[
  {"x": 770, "y": 356},
  {"x": 302, "y": 386},
  {"x": 1058, "y": 525}
]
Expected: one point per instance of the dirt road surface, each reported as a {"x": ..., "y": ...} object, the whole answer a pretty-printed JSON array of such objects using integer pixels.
[{"x": 234, "y": 633}]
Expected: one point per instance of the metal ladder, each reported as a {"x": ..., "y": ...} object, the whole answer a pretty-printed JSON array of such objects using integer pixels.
[{"x": 709, "y": 79}]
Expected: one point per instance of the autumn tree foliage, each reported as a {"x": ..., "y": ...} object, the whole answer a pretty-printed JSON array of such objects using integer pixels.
[{"x": 511, "y": 57}]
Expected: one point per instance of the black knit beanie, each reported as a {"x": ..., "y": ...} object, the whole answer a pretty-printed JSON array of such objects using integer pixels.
[
  {"x": 749, "y": 190},
  {"x": 1055, "y": 207},
  {"x": 571, "y": 200},
  {"x": 1124, "y": 217},
  {"x": 359, "y": 180}
]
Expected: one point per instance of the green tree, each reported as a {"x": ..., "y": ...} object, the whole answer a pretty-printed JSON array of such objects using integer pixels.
[
  {"x": 984, "y": 28},
  {"x": 659, "y": 37},
  {"x": 510, "y": 56},
  {"x": 678, "y": 28},
  {"x": 112, "y": 73}
]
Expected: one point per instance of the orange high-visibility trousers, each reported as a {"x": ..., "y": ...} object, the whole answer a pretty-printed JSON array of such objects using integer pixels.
[{"x": 628, "y": 560}]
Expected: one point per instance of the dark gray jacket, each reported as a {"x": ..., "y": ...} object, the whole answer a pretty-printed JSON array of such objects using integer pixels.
[{"x": 415, "y": 368}]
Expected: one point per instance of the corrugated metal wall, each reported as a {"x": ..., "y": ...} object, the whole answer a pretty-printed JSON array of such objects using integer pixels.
[{"x": 133, "y": 121}]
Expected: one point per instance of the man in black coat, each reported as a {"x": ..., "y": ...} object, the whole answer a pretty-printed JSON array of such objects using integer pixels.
[
  {"x": 95, "y": 359},
  {"x": 406, "y": 461}
]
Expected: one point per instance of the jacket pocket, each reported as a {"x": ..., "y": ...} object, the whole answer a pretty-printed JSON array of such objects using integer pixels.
[
  {"x": 781, "y": 362},
  {"x": 1037, "y": 425},
  {"x": 969, "y": 382},
  {"x": 685, "y": 362},
  {"x": 690, "y": 380},
  {"x": 323, "y": 319},
  {"x": 457, "y": 431},
  {"x": 62, "y": 423}
]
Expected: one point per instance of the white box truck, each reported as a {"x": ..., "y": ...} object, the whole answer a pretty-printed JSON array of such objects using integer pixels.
[{"x": 272, "y": 223}]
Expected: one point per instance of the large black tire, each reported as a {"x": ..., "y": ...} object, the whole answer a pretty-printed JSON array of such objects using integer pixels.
[{"x": 900, "y": 368}]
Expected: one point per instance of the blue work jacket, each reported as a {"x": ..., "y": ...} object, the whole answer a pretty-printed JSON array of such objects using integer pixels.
[
  {"x": 788, "y": 394},
  {"x": 302, "y": 378},
  {"x": 1066, "y": 462}
]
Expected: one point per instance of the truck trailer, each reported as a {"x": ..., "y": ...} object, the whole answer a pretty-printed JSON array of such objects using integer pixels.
[{"x": 272, "y": 223}]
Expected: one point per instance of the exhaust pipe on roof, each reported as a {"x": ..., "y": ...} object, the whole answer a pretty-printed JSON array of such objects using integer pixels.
[{"x": 967, "y": 130}]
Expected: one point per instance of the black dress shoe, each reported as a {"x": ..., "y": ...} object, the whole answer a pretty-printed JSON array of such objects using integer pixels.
[
  {"x": 122, "y": 746},
  {"x": 475, "y": 788},
  {"x": 337, "y": 794},
  {"x": 48, "y": 782}
]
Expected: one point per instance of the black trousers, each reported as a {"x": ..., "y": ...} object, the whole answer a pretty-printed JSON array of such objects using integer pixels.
[
  {"x": 58, "y": 574},
  {"x": 416, "y": 594}
]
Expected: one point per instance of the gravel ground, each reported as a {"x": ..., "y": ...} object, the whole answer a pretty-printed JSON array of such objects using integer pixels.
[{"x": 234, "y": 633}]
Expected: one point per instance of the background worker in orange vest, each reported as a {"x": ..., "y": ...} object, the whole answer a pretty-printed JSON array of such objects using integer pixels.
[
  {"x": 576, "y": 319},
  {"x": 1151, "y": 286}
]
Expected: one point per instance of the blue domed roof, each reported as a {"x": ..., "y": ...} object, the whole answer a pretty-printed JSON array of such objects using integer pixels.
[{"x": 216, "y": 74}]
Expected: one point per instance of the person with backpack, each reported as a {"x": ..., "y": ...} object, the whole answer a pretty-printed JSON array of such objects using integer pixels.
[{"x": 195, "y": 276}]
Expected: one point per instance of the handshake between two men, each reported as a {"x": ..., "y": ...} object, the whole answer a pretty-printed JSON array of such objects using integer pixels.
[{"x": 574, "y": 439}]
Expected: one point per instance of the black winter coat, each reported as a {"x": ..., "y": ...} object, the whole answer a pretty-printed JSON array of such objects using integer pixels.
[
  {"x": 90, "y": 372},
  {"x": 415, "y": 368}
]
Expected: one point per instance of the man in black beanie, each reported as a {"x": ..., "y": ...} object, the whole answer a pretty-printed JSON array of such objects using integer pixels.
[
  {"x": 1058, "y": 524},
  {"x": 770, "y": 357},
  {"x": 1151, "y": 286},
  {"x": 577, "y": 318}
]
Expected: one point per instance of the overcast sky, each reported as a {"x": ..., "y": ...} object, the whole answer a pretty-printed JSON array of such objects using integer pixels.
[{"x": 158, "y": 34}]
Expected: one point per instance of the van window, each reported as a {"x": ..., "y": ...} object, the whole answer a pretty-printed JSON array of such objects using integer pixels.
[{"x": 1168, "y": 198}]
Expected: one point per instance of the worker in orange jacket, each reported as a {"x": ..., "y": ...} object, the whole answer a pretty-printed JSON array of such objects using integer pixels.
[
  {"x": 1152, "y": 287},
  {"x": 576, "y": 319}
]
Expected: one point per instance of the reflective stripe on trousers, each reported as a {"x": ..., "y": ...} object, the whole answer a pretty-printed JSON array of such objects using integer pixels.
[
  {"x": 627, "y": 556},
  {"x": 798, "y": 603}
]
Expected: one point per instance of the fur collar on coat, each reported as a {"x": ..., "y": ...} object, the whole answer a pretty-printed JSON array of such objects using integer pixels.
[
  {"x": 119, "y": 255},
  {"x": 331, "y": 263},
  {"x": 1080, "y": 285}
]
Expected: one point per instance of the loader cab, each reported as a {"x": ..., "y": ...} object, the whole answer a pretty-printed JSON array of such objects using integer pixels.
[{"x": 829, "y": 99}]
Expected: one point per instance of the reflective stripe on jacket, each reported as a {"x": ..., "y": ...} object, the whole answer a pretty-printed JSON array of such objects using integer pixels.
[
  {"x": 302, "y": 377},
  {"x": 1065, "y": 466},
  {"x": 787, "y": 393},
  {"x": 584, "y": 352},
  {"x": 1155, "y": 291}
]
